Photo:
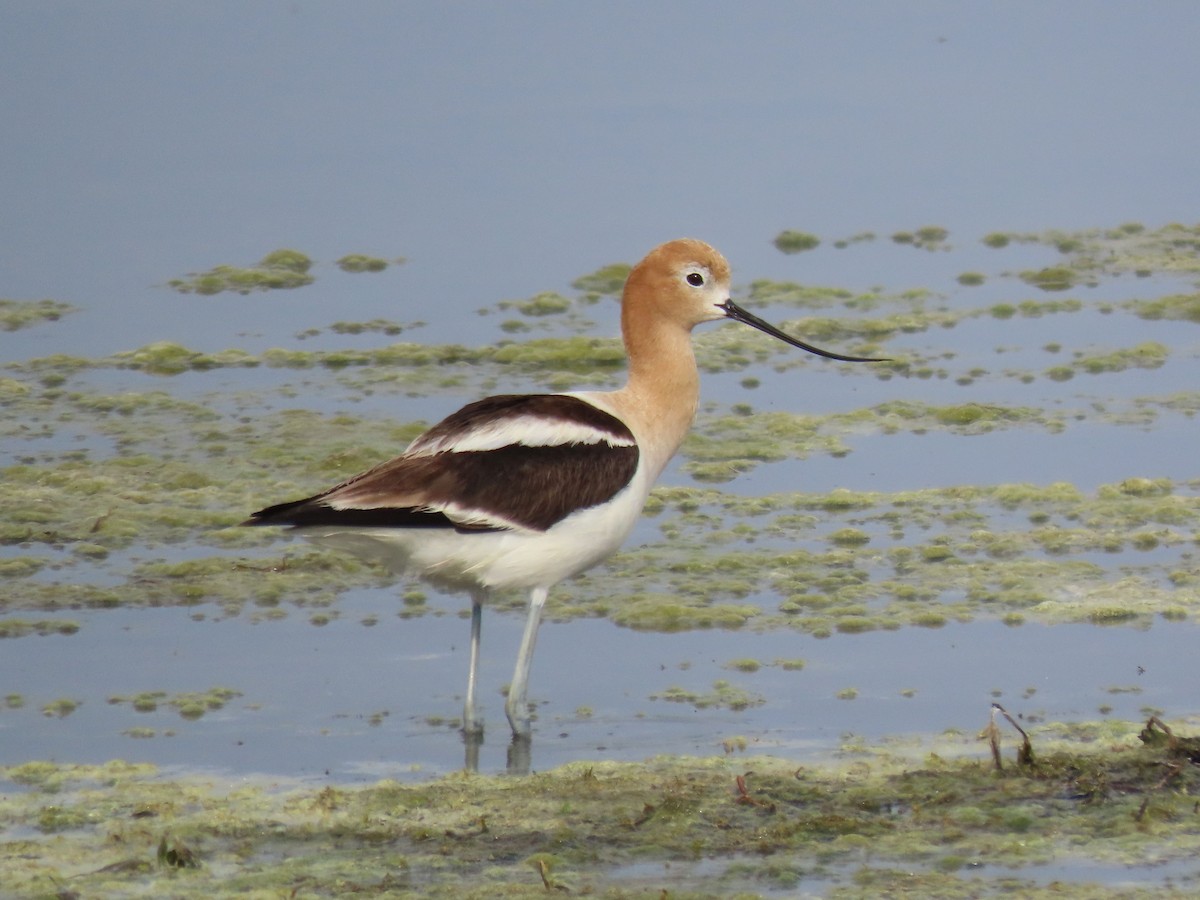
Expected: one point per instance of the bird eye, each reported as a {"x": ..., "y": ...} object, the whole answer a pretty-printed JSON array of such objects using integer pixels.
[{"x": 695, "y": 279}]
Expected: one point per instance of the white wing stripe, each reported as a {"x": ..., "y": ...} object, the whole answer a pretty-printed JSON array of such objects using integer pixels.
[
  {"x": 456, "y": 512},
  {"x": 525, "y": 430}
]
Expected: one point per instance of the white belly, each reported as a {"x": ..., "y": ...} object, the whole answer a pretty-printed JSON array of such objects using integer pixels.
[{"x": 498, "y": 559}]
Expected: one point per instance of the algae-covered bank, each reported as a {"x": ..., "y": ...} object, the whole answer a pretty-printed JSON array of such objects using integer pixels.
[
  {"x": 776, "y": 687},
  {"x": 1102, "y": 801}
]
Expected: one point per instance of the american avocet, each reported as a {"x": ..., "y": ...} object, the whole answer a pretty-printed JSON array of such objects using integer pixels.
[{"x": 525, "y": 490}]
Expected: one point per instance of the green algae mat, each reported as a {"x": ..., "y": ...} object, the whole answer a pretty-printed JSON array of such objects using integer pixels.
[
  {"x": 872, "y": 823},
  {"x": 115, "y": 473},
  {"x": 130, "y": 473}
]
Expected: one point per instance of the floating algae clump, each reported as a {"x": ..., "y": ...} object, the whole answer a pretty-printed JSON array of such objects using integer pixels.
[
  {"x": 1183, "y": 307},
  {"x": 10, "y": 628},
  {"x": 189, "y": 705},
  {"x": 808, "y": 296},
  {"x": 60, "y": 708},
  {"x": 796, "y": 241},
  {"x": 358, "y": 262},
  {"x": 277, "y": 270},
  {"x": 1148, "y": 355},
  {"x": 723, "y": 694},
  {"x": 606, "y": 281},
  {"x": 170, "y": 358},
  {"x": 381, "y": 326},
  {"x": 17, "y": 314},
  {"x": 547, "y": 303},
  {"x": 1051, "y": 278},
  {"x": 930, "y": 237}
]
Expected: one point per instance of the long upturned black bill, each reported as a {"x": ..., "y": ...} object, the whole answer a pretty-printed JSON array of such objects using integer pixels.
[{"x": 735, "y": 312}]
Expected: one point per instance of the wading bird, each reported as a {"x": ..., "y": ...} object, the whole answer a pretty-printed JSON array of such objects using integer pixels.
[{"x": 525, "y": 490}]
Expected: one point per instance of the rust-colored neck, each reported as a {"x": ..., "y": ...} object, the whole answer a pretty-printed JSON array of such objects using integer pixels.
[{"x": 659, "y": 400}]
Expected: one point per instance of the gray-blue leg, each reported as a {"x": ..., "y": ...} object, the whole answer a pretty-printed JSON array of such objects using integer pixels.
[
  {"x": 472, "y": 723},
  {"x": 517, "y": 706}
]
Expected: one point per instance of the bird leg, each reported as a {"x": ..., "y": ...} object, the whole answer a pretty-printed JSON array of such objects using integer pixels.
[
  {"x": 472, "y": 724},
  {"x": 517, "y": 707}
]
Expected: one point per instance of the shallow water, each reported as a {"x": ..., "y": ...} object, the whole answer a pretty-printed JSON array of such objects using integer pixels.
[{"x": 309, "y": 694}]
